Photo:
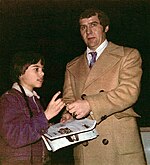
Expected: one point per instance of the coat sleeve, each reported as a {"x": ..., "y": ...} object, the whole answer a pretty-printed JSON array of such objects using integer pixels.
[
  {"x": 16, "y": 128},
  {"x": 123, "y": 97}
]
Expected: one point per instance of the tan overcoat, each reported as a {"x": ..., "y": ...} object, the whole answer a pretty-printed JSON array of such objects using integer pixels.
[{"x": 111, "y": 87}]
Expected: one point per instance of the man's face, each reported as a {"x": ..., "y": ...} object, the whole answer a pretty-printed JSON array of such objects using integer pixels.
[{"x": 92, "y": 32}]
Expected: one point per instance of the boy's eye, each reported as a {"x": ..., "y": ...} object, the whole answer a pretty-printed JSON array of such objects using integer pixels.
[
  {"x": 39, "y": 69},
  {"x": 36, "y": 69}
]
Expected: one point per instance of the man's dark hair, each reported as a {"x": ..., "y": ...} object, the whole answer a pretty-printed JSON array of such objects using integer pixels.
[
  {"x": 103, "y": 18},
  {"x": 22, "y": 60}
]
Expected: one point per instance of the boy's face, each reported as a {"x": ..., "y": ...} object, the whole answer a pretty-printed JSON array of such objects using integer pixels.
[
  {"x": 92, "y": 32},
  {"x": 33, "y": 76}
]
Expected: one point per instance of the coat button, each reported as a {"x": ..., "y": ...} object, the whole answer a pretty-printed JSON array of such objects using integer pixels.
[
  {"x": 82, "y": 96},
  {"x": 101, "y": 91},
  {"x": 85, "y": 143},
  {"x": 103, "y": 117},
  {"x": 105, "y": 141}
]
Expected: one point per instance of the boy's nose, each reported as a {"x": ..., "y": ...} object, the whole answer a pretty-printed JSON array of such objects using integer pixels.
[{"x": 42, "y": 73}]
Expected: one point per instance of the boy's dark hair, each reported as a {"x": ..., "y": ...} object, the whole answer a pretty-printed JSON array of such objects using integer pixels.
[
  {"x": 22, "y": 60},
  {"x": 103, "y": 18}
]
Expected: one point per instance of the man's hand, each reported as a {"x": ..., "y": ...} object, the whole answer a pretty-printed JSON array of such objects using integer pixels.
[
  {"x": 79, "y": 109},
  {"x": 66, "y": 116}
]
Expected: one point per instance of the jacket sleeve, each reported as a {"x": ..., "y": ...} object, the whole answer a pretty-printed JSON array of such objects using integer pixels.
[{"x": 16, "y": 128}]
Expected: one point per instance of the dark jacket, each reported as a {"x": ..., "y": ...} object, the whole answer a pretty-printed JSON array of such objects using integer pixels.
[{"x": 20, "y": 134}]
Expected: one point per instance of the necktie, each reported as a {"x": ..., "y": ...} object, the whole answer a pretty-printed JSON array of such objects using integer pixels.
[{"x": 93, "y": 60}]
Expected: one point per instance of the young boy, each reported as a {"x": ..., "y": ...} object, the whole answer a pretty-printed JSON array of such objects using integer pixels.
[{"x": 23, "y": 120}]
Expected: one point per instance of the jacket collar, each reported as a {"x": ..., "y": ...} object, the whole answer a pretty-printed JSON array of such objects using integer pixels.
[{"x": 28, "y": 92}]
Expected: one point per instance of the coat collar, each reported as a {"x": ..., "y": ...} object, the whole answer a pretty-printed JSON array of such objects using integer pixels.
[{"x": 80, "y": 69}]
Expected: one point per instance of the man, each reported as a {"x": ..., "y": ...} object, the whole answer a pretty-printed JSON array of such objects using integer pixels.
[{"x": 106, "y": 92}]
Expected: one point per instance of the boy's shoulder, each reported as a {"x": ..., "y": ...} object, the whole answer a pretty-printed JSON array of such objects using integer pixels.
[{"x": 11, "y": 93}]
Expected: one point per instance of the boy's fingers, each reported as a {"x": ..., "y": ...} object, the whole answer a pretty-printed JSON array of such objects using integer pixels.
[{"x": 55, "y": 96}]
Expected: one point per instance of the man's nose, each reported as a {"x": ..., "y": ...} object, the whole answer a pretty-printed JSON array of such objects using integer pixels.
[{"x": 88, "y": 30}]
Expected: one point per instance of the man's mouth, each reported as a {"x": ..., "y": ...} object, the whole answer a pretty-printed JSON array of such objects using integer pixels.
[{"x": 90, "y": 38}]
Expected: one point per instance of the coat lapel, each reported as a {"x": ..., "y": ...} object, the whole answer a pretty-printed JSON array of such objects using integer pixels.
[
  {"x": 84, "y": 76},
  {"x": 105, "y": 62},
  {"x": 80, "y": 69}
]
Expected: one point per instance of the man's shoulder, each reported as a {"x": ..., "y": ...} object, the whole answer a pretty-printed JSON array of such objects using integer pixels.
[
  {"x": 120, "y": 50},
  {"x": 119, "y": 46},
  {"x": 75, "y": 60}
]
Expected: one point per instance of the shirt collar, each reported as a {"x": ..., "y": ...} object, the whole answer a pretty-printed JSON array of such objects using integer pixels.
[
  {"x": 27, "y": 91},
  {"x": 99, "y": 50}
]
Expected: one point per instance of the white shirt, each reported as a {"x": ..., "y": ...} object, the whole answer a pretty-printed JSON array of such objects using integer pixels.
[
  {"x": 27, "y": 92},
  {"x": 99, "y": 51}
]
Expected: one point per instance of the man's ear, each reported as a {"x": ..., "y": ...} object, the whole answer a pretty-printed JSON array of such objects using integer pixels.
[{"x": 106, "y": 29}]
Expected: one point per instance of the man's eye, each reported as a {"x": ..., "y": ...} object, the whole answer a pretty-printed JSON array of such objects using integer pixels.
[
  {"x": 94, "y": 24},
  {"x": 82, "y": 27}
]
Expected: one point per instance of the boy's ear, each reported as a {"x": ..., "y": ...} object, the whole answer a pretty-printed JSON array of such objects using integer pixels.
[
  {"x": 106, "y": 29},
  {"x": 20, "y": 76}
]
